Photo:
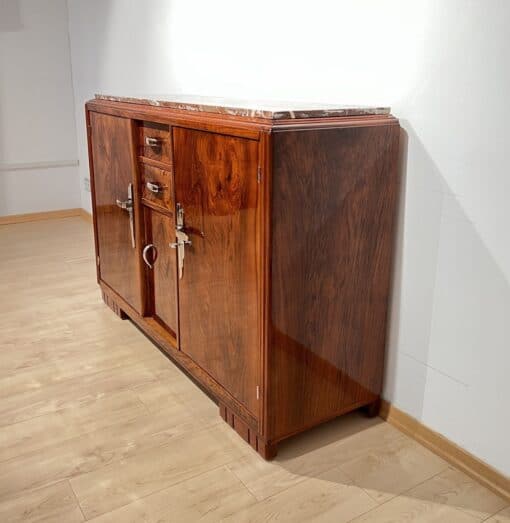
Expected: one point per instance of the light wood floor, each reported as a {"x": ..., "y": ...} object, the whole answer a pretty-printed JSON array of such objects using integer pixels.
[{"x": 96, "y": 424}]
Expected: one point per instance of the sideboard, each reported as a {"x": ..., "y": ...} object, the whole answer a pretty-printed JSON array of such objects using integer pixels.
[{"x": 253, "y": 244}]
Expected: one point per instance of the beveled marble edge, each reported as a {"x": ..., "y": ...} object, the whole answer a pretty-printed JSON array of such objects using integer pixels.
[{"x": 254, "y": 109}]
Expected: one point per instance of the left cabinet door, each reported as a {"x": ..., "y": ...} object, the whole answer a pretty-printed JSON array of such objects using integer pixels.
[{"x": 116, "y": 205}]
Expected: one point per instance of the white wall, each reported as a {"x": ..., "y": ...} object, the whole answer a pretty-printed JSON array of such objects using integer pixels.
[
  {"x": 38, "y": 155},
  {"x": 443, "y": 67}
]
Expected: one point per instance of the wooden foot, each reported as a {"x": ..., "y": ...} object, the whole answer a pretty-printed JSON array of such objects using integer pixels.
[
  {"x": 372, "y": 409},
  {"x": 267, "y": 450},
  {"x": 114, "y": 306}
]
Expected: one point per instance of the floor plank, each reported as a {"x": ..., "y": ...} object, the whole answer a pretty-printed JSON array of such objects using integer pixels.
[
  {"x": 147, "y": 472},
  {"x": 96, "y": 422},
  {"x": 208, "y": 498},
  {"x": 54, "y": 503},
  {"x": 455, "y": 489}
]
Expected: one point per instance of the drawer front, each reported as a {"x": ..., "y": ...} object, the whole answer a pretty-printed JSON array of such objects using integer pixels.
[
  {"x": 155, "y": 142},
  {"x": 158, "y": 187}
]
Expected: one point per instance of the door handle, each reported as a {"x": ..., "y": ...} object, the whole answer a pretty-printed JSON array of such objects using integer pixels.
[
  {"x": 144, "y": 255},
  {"x": 182, "y": 240},
  {"x": 152, "y": 142},
  {"x": 153, "y": 187},
  {"x": 127, "y": 205}
]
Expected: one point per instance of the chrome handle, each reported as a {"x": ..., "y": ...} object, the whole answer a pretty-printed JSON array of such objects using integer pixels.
[
  {"x": 127, "y": 205},
  {"x": 175, "y": 245},
  {"x": 144, "y": 255},
  {"x": 182, "y": 241},
  {"x": 131, "y": 215},
  {"x": 180, "y": 217},
  {"x": 153, "y": 187},
  {"x": 152, "y": 142}
]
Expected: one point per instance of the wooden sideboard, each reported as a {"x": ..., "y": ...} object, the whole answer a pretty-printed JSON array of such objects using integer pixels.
[{"x": 253, "y": 246}]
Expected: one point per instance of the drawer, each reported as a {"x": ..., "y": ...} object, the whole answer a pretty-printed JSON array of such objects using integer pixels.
[
  {"x": 155, "y": 142},
  {"x": 158, "y": 187}
]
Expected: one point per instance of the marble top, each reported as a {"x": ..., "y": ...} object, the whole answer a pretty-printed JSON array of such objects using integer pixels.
[{"x": 253, "y": 108}]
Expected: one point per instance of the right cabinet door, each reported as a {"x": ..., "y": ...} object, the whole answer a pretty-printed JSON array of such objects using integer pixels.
[{"x": 216, "y": 187}]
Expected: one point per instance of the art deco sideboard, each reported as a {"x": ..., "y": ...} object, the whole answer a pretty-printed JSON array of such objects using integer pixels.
[{"x": 253, "y": 245}]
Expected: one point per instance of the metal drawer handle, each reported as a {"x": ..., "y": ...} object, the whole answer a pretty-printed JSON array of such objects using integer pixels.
[
  {"x": 144, "y": 255},
  {"x": 152, "y": 142},
  {"x": 153, "y": 187}
]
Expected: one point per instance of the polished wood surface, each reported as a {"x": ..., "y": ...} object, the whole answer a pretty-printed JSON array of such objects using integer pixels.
[
  {"x": 112, "y": 148},
  {"x": 248, "y": 433},
  {"x": 166, "y": 342},
  {"x": 160, "y": 232},
  {"x": 281, "y": 308},
  {"x": 163, "y": 179},
  {"x": 216, "y": 184},
  {"x": 160, "y": 133},
  {"x": 94, "y": 422},
  {"x": 333, "y": 208}
]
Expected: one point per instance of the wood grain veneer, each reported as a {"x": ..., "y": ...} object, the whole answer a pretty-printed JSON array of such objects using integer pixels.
[
  {"x": 216, "y": 184},
  {"x": 333, "y": 209},
  {"x": 281, "y": 310},
  {"x": 114, "y": 170}
]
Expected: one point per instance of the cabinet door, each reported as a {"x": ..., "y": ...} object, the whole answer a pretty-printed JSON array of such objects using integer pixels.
[
  {"x": 216, "y": 186},
  {"x": 161, "y": 268},
  {"x": 115, "y": 196}
]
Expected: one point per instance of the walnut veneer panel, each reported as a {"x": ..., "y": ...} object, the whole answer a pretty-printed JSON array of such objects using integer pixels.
[
  {"x": 216, "y": 184},
  {"x": 333, "y": 209},
  {"x": 280, "y": 310},
  {"x": 113, "y": 159}
]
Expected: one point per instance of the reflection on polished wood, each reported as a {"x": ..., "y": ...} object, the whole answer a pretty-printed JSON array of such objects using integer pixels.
[
  {"x": 95, "y": 422},
  {"x": 334, "y": 201},
  {"x": 216, "y": 184},
  {"x": 113, "y": 161},
  {"x": 163, "y": 274},
  {"x": 284, "y": 235},
  {"x": 162, "y": 183}
]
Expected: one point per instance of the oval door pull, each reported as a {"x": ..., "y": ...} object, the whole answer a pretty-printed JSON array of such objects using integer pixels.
[{"x": 144, "y": 255}]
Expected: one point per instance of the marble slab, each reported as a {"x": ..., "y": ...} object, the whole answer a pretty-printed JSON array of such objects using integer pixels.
[{"x": 252, "y": 108}]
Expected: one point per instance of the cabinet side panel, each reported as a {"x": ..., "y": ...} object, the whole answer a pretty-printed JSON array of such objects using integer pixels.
[{"x": 333, "y": 210}]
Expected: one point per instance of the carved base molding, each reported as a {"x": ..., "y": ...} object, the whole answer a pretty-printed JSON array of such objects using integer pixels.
[
  {"x": 114, "y": 306},
  {"x": 266, "y": 450}
]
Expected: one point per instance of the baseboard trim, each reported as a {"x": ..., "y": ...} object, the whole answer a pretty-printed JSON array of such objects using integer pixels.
[
  {"x": 446, "y": 449},
  {"x": 38, "y": 216},
  {"x": 86, "y": 215},
  {"x": 37, "y": 165},
  {"x": 47, "y": 215}
]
